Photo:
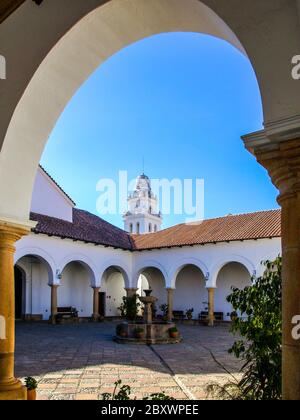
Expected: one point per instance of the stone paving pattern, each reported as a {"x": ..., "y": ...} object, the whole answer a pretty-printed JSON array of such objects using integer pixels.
[{"x": 81, "y": 362}]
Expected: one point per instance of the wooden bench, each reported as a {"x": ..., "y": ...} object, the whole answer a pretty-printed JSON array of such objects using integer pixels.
[
  {"x": 64, "y": 313},
  {"x": 219, "y": 316},
  {"x": 178, "y": 315}
]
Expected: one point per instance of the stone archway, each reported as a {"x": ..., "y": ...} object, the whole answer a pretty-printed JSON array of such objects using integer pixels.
[
  {"x": 37, "y": 276},
  {"x": 75, "y": 290},
  {"x": 153, "y": 277},
  {"x": 232, "y": 274},
  {"x": 114, "y": 283},
  {"x": 190, "y": 290}
]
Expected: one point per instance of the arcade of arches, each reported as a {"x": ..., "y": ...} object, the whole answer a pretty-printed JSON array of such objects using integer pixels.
[
  {"x": 34, "y": 300},
  {"x": 94, "y": 31}
]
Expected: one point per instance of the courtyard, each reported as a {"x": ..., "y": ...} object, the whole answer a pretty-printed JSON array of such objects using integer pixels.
[{"x": 81, "y": 362}]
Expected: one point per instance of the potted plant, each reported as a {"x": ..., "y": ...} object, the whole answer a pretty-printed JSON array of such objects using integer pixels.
[
  {"x": 121, "y": 330},
  {"x": 139, "y": 333},
  {"x": 31, "y": 385},
  {"x": 173, "y": 332},
  {"x": 189, "y": 313},
  {"x": 130, "y": 307}
]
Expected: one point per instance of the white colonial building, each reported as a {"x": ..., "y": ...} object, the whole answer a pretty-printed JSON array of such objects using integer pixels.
[{"x": 73, "y": 258}]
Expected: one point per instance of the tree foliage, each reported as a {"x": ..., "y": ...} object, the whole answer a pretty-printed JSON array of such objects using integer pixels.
[
  {"x": 123, "y": 392},
  {"x": 260, "y": 325}
]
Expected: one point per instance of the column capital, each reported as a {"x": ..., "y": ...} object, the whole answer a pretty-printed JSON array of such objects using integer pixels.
[
  {"x": 11, "y": 233},
  {"x": 282, "y": 161}
]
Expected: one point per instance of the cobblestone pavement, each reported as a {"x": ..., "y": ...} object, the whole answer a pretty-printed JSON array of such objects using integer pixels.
[{"x": 77, "y": 362}]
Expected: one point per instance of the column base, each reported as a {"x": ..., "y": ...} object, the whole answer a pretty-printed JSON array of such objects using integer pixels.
[
  {"x": 291, "y": 378},
  {"x": 13, "y": 392}
]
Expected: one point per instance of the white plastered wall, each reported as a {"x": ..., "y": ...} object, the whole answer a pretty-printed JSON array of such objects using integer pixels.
[{"x": 163, "y": 264}]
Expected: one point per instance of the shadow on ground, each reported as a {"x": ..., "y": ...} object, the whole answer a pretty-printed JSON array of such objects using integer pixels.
[{"x": 82, "y": 360}]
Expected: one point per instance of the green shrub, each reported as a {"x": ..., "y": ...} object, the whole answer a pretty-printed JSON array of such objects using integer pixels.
[
  {"x": 173, "y": 330},
  {"x": 31, "y": 383},
  {"x": 130, "y": 307},
  {"x": 123, "y": 392},
  {"x": 260, "y": 326}
]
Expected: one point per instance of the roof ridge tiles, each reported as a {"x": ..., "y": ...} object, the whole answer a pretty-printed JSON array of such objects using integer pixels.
[{"x": 89, "y": 227}]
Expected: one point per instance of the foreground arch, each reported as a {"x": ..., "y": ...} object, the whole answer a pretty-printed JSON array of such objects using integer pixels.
[{"x": 98, "y": 35}]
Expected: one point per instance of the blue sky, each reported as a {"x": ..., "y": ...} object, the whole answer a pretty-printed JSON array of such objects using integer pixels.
[{"x": 179, "y": 100}]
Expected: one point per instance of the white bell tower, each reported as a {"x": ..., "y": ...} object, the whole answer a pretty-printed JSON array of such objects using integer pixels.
[{"x": 142, "y": 215}]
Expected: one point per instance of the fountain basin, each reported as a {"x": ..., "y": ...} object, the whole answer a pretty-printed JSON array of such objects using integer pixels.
[{"x": 154, "y": 333}]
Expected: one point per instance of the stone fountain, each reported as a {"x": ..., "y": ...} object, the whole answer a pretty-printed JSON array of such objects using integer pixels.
[
  {"x": 148, "y": 302},
  {"x": 146, "y": 331}
]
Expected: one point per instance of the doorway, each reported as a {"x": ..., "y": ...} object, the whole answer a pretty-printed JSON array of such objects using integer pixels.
[
  {"x": 19, "y": 293},
  {"x": 102, "y": 300}
]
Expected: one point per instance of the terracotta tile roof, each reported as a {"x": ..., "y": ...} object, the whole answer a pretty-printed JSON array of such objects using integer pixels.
[
  {"x": 87, "y": 227},
  {"x": 264, "y": 224}
]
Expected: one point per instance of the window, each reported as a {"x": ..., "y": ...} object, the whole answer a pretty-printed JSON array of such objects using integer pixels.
[
  {"x": 138, "y": 228},
  {"x": 150, "y": 228},
  {"x": 155, "y": 228},
  {"x": 131, "y": 228}
]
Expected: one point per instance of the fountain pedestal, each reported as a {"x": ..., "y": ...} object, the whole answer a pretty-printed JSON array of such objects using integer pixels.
[{"x": 153, "y": 332}]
